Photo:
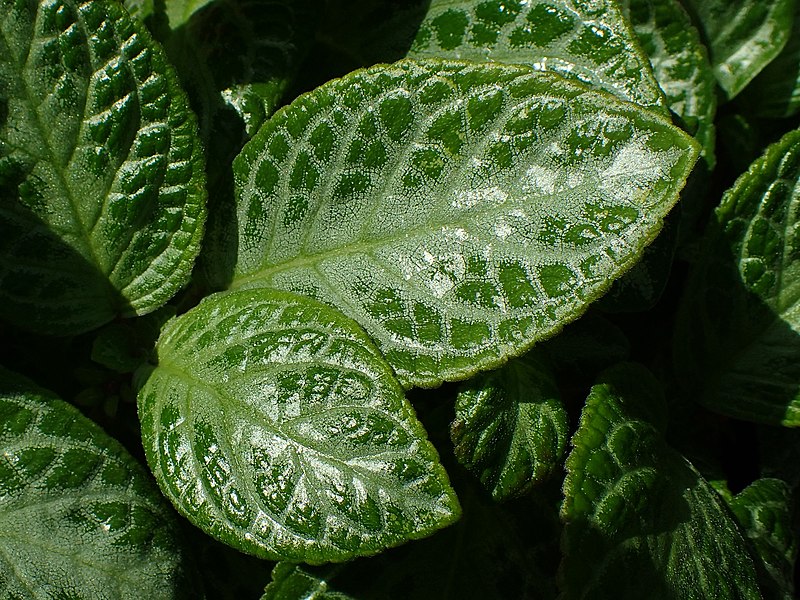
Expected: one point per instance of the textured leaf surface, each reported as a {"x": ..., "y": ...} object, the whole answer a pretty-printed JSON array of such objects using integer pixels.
[
  {"x": 640, "y": 520},
  {"x": 459, "y": 212},
  {"x": 743, "y": 36},
  {"x": 100, "y": 168},
  {"x": 79, "y": 517},
  {"x": 765, "y": 511},
  {"x": 680, "y": 65},
  {"x": 776, "y": 90},
  {"x": 273, "y": 423},
  {"x": 738, "y": 345},
  {"x": 510, "y": 428},
  {"x": 587, "y": 39},
  {"x": 496, "y": 552}
]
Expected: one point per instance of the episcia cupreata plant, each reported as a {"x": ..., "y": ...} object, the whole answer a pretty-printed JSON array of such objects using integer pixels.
[{"x": 399, "y": 300}]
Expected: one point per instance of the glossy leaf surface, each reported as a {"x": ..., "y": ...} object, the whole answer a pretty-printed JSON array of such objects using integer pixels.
[
  {"x": 79, "y": 517},
  {"x": 635, "y": 509},
  {"x": 738, "y": 343},
  {"x": 273, "y": 423},
  {"x": 743, "y": 36},
  {"x": 511, "y": 429},
  {"x": 589, "y": 40},
  {"x": 680, "y": 65},
  {"x": 459, "y": 212},
  {"x": 102, "y": 196},
  {"x": 765, "y": 510}
]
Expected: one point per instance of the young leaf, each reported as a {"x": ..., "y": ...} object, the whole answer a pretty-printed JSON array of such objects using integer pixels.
[
  {"x": 589, "y": 40},
  {"x": 79, "y": 517},
  {"x": 765, "y": 511},
  {"x": 510, "y": 428},
  {"x": 680, "y": 65},
  {"x": 101, "y": 171},
  {"x": 641, "y": 522},
  {"x": 458, "y": 211},
  {"x": 743, "y": 36},
  {"x": 273, "y": 423},
  {"x": 737, "y": 345}
]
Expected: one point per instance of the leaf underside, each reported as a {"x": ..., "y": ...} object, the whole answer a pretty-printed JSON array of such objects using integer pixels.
[
  {"x": 273, "y": 423},
  {"x": 101, "y": 171},
  {"x": 459, "y": 212},
  {"x": 79, "y": 517}
]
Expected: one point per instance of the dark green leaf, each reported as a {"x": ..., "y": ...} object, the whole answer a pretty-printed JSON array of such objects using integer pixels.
[
  {"x": 123, "y": 347},
  {"x": 641, "y": 522},
  {"x": 589, "y": 40},
  {"x": 79, "y": 517},
  {"x": 102, "y": 196},
  {"x": 495, "y": 552},
  {"x": 776, "y": 90},
  {"x": 273, "y": 423},
  {"x": 742, "y": 36},
  {"x": 737, "y": 349},
  {"x": 458, "y": 211},
  {"x": 765, "y": 511},
  {"x": 510, "y": 428}
]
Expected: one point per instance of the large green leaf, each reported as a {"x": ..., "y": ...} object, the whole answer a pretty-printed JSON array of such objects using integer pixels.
[
  {"x": 586, "y": 39},
  {"x": 458, "y": 211},
  {"x": 511, "y": 429},
  {"x": 680, "y": 65},
  {"x": 496, "y": 552},
  {"x": 738, "y": 346},
  {"x": 742, "y": 36},
  {"x": 102, "y": 196},
  {"x": 273, "y": 423},
  {"x": 641, "y": 522},
  {"x": 765, "y": 510},
  {"x": 79, "y": 517}
]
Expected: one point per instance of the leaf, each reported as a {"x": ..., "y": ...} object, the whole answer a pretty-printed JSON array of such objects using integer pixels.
[
  {"x": 79, "y": 517},
  {"x": 737, "y": 343},
  {"x": 458, "y": 212},
  {"x": 680, "y": 65},
  {"x": 124, "y": 347},
  {"x": 776, "y": 90},
  {"x": 586, "y": 39},
  {"x": 510, "y": 428},
  {"x": 496, "y": 552},
  {"x": 177, "y": 12},
  {"x": 101, "y": 178},
  {"x": 640, "y": 521},
  {"x": 764, "y": 509},
  {"x": 742, "y": 36},
  {"x": 273, "y": 423}
]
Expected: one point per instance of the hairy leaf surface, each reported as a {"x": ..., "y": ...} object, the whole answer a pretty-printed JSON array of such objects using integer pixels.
[
  {"x": 273, "y": 423},
  {"x": 743, "y": 36},
  {"x": 765, "y": 510},
  {"x": 459, "y": 212},
  {"x": 102, "y": 196},
  {"x": 680, "y": 65},
  {"x": 641, "y": 522},
  {"x": 738, "y": 345},
  {"x": 589, "y": 40},
  {"x": 510, "y": 428},
  {"x": 79, "y": 517}
]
